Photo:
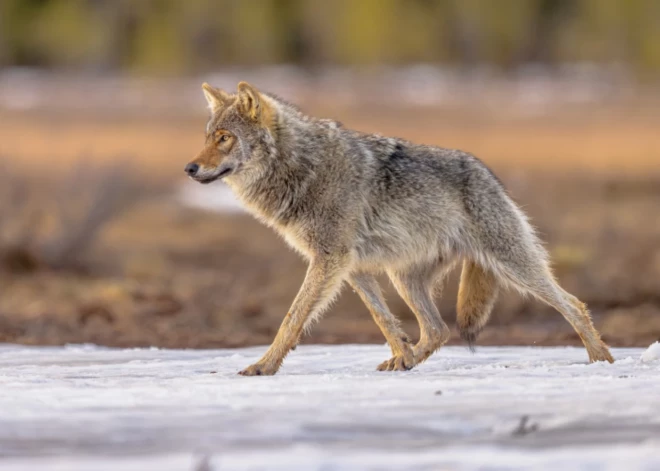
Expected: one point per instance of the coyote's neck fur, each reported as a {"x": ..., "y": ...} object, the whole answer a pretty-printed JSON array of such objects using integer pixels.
[{"x": 276, "y": 191}]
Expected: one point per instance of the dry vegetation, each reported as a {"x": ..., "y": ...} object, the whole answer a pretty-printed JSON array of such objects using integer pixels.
[
  {"x": 101, "y": 254},
  {"x": 51, "y": 223}
]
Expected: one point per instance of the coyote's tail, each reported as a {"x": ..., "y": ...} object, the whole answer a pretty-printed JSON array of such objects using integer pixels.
[{"x": 476, "y": 297}]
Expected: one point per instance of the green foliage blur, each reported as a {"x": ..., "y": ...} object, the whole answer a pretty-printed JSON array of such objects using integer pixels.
[{"x": 168, "y": 37}]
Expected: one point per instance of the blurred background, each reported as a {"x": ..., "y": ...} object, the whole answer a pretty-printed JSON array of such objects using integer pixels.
[{"x": 103, "y": 240}]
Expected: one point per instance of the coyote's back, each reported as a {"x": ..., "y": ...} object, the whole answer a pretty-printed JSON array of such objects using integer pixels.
[{"x": 357, "y": 204}]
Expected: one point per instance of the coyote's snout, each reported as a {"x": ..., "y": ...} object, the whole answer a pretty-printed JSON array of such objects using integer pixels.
[{"x": 355, "y": 205}]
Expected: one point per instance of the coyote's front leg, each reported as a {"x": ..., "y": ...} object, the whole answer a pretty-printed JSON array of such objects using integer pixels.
[{"x": 323, "y": 279}]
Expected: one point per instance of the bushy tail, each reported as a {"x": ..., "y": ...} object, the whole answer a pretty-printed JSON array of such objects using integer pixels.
[{"x": 476, "y": 297}]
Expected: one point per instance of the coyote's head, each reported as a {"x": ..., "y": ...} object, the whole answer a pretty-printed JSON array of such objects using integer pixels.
[{"x": 238, "y": 134}]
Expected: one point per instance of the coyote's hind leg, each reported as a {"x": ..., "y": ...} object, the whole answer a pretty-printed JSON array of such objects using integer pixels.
[
  {"x": 533, "y": 275},
  {"x": 369, "y": 291},
  {"x": 577, "y": 314},
  {"x": 414, "y": 285}
]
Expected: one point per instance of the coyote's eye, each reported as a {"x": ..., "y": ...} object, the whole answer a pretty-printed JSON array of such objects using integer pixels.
[{"x": 221, "y": 136}]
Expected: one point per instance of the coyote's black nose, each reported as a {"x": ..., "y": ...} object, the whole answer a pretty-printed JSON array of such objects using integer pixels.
[{"x": 191, "y": 169}]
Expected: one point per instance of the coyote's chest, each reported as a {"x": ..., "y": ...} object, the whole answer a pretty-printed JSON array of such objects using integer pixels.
[{"x": 297, "y": 237}]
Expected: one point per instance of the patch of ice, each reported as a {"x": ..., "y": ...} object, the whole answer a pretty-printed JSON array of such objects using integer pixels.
[
  {"x": 626, "y": 361},
  {"x": 652, "y": 353}
]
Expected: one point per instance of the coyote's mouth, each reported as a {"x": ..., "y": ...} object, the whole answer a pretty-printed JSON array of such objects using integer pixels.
[{"x": 223, "y": 173}]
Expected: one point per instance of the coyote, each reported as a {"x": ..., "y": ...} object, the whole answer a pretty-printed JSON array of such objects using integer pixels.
[{"x": 356, "y": 205}]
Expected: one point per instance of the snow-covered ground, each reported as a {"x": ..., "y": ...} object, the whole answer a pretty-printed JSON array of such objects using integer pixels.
[
  {"x": 88, "y": 408},
  {"x": 217, "y": 197}
]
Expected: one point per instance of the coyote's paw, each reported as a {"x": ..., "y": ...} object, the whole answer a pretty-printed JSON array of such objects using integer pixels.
[
  {"x": 396, "y": 363},
  {"x": 399, "y": 362},
  {"x": 258, "y": 369},
  {"x": 601, "y": 353}
]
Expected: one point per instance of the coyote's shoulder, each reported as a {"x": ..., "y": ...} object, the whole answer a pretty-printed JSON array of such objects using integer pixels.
[{"x": 356, "y": 204}]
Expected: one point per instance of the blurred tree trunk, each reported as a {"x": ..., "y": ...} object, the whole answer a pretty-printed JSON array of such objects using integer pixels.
[
  {"x": 120, "y": 20},
  {"x": 311, "y": 47},
  {"x": 3, "y": 29},
  {"x": 462, "y": 34},
  {"x": 544, "y": 27},
  {"x": 204, "y": 34},
  {"x": 4, "y": 60}
]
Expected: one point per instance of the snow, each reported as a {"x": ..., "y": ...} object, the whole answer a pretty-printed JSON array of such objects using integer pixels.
[
  {"x": 89, "y": 408},
  {"x": 652, "y": 353},
  {"x": 216, "y": 197}
]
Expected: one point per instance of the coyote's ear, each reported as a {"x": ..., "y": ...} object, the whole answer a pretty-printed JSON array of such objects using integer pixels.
[
  {"x": 249, "y": 100},
  {"x": 215, "y": 97}
]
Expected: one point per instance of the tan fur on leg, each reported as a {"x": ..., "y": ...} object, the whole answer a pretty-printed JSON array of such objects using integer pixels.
[
  {"x": 476, "y": 297},
  {"x": 321, "y": 283},
  {"x": 414, "y": 286},
  {"x": 367, "y": 288}
]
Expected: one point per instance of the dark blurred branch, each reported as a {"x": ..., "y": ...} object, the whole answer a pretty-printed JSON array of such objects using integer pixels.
[
  {"x": 55, "y": 224},
  {"x": 109, "y": 191}
]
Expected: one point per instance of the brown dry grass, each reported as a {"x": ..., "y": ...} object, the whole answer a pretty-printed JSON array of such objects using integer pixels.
[
  {"x": 165, "y": 275},
  {"x": 608, "y": 140}
]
